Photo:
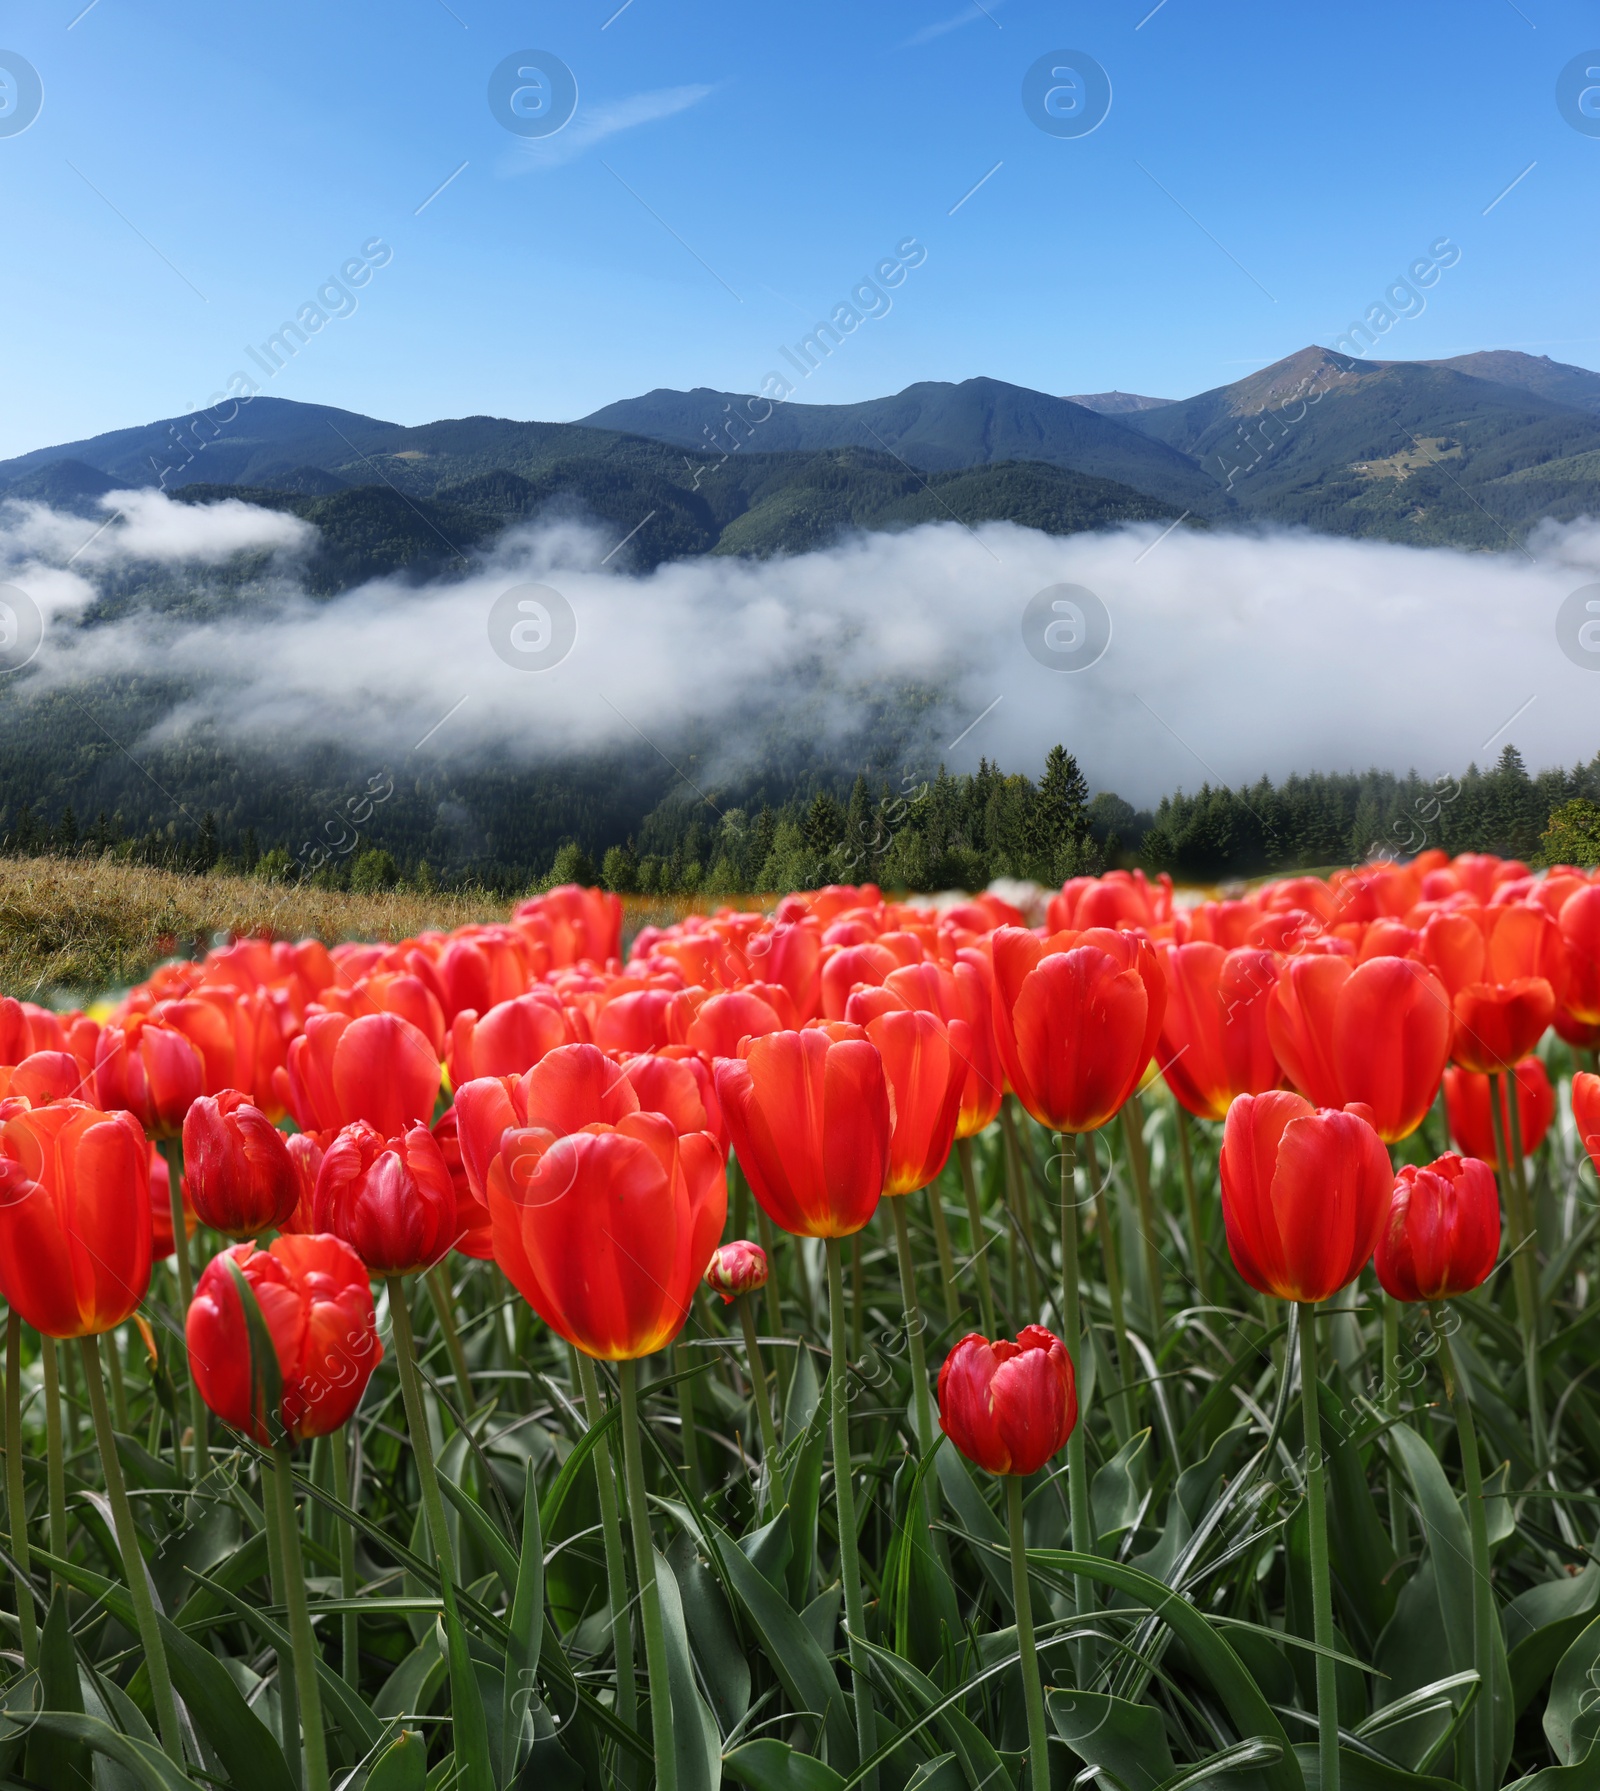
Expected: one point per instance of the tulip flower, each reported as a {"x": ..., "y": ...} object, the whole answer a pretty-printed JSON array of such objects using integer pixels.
[
  {"x": 723, "y": 1021},
  {"x": 317, "y": 1303},
  {"x": 75, "y": 1228},
  {"x": 306, "y": 1151},
  {"x": 606, "y": 1232},
  {"x": 1009, "y": 1407},
  {"x": 509, "y": 1038},
  {"x": 41, "y": 1077},
  {"x": 1580, "y": 934},
  {"x": 1214, "y": 1042},
  {"x": 1586, "y": 1111},
  {"x": 391, "y": 1200},
  {"x": 1466, "y": 1100},
  {"x": 237, "y": 1165},
  {"x": 1077, "y": 1018},
  {"x": 152, "y": 1071},
  {"x": 1442, "y": 1233},
  {"x": 1304, "y": 1194},
  {"x": 810, "y": 1120},
  {"x": 1499, "y": 1023},
  {"x": 925, "y": 1064},
  {"x": 474, "y": 1236},
  {"x": 737, "y": 1269},
  {"x": 378, "y": 1068},
  {"x": 1378, "y": 1033}
]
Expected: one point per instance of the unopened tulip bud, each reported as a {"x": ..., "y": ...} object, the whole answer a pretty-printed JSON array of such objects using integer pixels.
[
  {"x": 237, "y": 1164},
  {"x": 1008, "y": 1406},
  {"x": 737, "y": 1268}
]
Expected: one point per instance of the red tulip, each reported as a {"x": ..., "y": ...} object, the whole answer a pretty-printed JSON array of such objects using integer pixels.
[
  {"x": 237, "y": 1165},
  {"x": 1076, "y": 1019},
  {"x": 1008, "y": 1406},
  {"x": 683, "y": 1088},
  {"x": 810, "y": 1119},
  {"x": 737, "y": 1268},
  {"x": 723, "y": 1021},
  {"x": 1466, "y": 1101},
  {"x": 391, "y": 1200},
  {"x": 1442, "y": 1233},
  {"x": 74, "y": 1216},
  {"x": 509, "y": 1038},
  {"x": 43, "y": 1076},
  {"x": 1586, "y": 1111},
  {"x": 1304, "y": 1194},
  {"x": 405, "y": 995},
  {"x": 152, "y": 1071},
  {"x": 1580, "y": 933},
  {"x": 1378, "y": 1033},
  {"x": 607, "y": 1232},
  {"x": 925, "y": 1065},
  {"x": 1214, "y": 1042},
  {"x": 959, "y": 991},
  {"x": 378, "y": 1068},
  {"x": 317, "y": 1306},
  {"x": 869, "y": 962},
  {"x": 1498, "y": 1024}
]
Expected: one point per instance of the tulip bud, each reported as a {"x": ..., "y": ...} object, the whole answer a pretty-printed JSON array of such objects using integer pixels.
[
  {"x": 737, "y": 1268},
  {"x": 391, "y": 1200},
  {"x": 1466, "y": 1102},
  {"x": 237, "y": 1165},
  {"x": 151, "y": 1071},
  {"x": 1008, "y": 1406},
  {"x": 1442, "y": 1233}
]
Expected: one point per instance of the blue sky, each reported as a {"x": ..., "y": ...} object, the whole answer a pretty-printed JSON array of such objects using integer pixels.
[{"x": 731, "y": 171}]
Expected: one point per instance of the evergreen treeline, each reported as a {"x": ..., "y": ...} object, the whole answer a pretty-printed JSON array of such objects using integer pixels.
[{"x": 944, "y": 831}]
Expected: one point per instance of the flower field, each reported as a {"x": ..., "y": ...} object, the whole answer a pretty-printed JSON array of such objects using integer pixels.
[{"x": 868, "y": 1344}]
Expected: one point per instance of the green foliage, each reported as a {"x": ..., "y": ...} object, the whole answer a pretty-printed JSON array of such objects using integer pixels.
[
  {"x": 1573, "y": 835},
  {"x": 373, "y": 870}
]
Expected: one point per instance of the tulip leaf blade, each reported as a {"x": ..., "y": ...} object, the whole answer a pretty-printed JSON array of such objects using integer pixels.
[
  {"x": 695, "y": 1733},
  {"x": 1128, "y": 1742},
  {"x": 402, "y": 1766},
  {"x": 1572, "y": 1717},
  {"x": 521, "y": 1687},
  {"x": 768, "y": 1765},
  {"x": 55, "y": 1758}
]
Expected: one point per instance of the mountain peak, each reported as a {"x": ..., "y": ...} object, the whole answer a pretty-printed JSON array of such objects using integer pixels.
[{"x": 1115, "y": 404}]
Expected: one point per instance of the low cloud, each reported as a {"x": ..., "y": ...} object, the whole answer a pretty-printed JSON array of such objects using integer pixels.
[{"x": 1230, "y": 655}]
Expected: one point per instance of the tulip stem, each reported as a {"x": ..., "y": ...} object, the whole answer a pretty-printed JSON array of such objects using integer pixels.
[
  {"x": 1483, "y": 1616},
  {"x": 350, "y": 1622},
  {"x": 1133, "y": 1136},
  {"x": 172, "y": 1150},
  {"x": 1524, "y": 1267},
  {"x": 1018, "y": 1182},
  {"x": 947, "y": 1260},
  {"x": 16, "y": 1491},
  {"x": 688, "y": 1430},
  {"x": 1399, "y": 1526},
  {"x": 301, "y": 1636},
  {"x": 644, "y": 1564},
  {"x": 1321, "y": 1582},
  {"x": 914, "y": 1325},
  {"x": 1191, "y": 1201},
  {"x": 119, "y": 1391},
  {"x": 855, "y": 1619},
  {"x": 1077, "y": 1462},
  {"x": 616, "y": 1561},
  {"x": 1022, "y": 1597},
  {"x": 1127, "y": 1405},
  {"x": 444, "y": 1304},
  {"x": 133, "y": 1565},
  {"x": 980, "y": 1241},
  {"x": 55, "y": 1456},
  {"x": 468, "y": 1735},
  {"x": 763, "y": 1403},
  {"x": 769, "y": 1244}
]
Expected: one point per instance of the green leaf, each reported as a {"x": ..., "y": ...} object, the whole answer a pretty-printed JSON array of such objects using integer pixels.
[
  {"x": 801, "y": 1666},
  {"x": 1117, "y": 1492},
  {"x": 1541, "y": 1624},
  {"x": 1128, "y": 1742},
  {"x": 1360, "y": 1772},
  {"x": 145, "y": 1761},
  {"x": 1451, "y": 1549},
  {"x": 402, "y": 1766},
  {"x": 804, "y": 1397},
  {"x": 723, "y": 1668},
  {"x": 775, "y": 1766},
  {"x": 979, "y": 1521},
  {"x": 484, "y": 1530},
  {"x": 1572, "y": 1716},
  {"x": 922, "y": 1703},
  {"x": 521, "y": 1688},
  {"x": 769, "y": 1548},
  {"x": 249, "y": 1751},
  {"x": 411, "y": 1688},
  {"x": 1362, "y": 1554},
  {"x": 54, "y": 1759},
  {"x": 694, "y": 1728}
]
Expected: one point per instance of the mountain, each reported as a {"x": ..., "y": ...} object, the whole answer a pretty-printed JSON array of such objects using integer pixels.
[
  {"x": 1576, "y": 387},
  {"x": 1115, "y": 404},
  {"x": 932, "y": 426},
  {"x": 64, "y": 485},
  {"x": 1402, "y": 450}
]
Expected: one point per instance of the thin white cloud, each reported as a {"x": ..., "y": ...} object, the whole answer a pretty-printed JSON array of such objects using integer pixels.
[
  {"x": 594, "y": 124},
  {"x": 970, "y": 14}
]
